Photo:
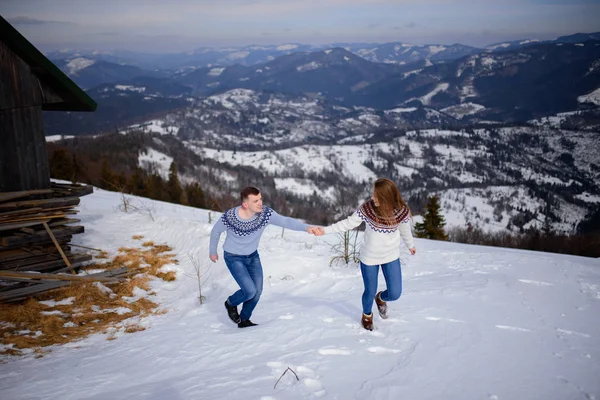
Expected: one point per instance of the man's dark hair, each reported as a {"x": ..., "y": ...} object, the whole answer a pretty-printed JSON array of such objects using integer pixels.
[{"x": 247, "y": 191}]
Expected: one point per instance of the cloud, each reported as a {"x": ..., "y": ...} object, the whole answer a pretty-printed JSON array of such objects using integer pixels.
[
  {"x": 409, "y": 25},
  {"x": 20, "y": 20}
]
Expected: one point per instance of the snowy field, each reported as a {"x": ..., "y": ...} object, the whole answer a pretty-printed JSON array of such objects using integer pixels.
[{"x": 473, "y": 323}]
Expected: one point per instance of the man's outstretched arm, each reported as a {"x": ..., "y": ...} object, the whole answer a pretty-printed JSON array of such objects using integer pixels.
[{"x": 215, "y": 234}]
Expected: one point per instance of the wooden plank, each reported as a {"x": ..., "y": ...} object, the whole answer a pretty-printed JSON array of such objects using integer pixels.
[
  {"x": 18, "y": 240},
  {"x": 63, "y": 222},
  {"x": 52, "y": 266},
  {"x": 18, "y": 225},
  {"x": 79, "y": 190},
  {"x": 5, "y": 196},
  {"x": 53, "y": 277},
  {"x": 56, "y": 244},
  {"x": 44, "y": 203},
  {"x": 25, "y": 211},
  {"x": 24, "y": 262},
  {"x": 23, "y": 293},
  {"x": 39, "y": 218}
]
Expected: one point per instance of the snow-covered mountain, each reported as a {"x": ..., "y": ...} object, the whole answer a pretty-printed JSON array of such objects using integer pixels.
[
  {"x": 473, "y": 322},
  {"x": 246, "y": 119},
  {"x": 89, "y": 73},
  {"x": 497, "y": 178},
  {"x": 205, "y": 57},
  {"x": 532, "y": 82},
  {"x": 516, "y": 44}
]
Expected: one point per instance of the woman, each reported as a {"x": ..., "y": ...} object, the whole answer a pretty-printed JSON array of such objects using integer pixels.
[{"x": 387, "y": 218}]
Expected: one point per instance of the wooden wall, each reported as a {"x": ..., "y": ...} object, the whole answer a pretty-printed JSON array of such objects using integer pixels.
[{"x": 23, "y": 156}]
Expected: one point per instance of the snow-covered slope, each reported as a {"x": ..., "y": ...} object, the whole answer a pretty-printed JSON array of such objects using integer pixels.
[{"x": 472, "y": 323}]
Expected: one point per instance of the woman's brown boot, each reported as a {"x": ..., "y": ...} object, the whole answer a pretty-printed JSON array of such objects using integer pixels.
[
  {"x": 367, "y": 321},
  {"x": 381, "y": 306}
]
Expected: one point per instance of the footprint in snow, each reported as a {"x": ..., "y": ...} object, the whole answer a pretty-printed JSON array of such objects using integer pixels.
[
  {"x": 512, "y": 328},
  {"x": 382, "y": 350},
  {"x": 335, "y": 352},
  {"x": 564, "y": 332},
  {"x": 287, "y": 316},
  {"x": 536, "y": 283},
  {"x": 422, "y": 273},
  {"x": 443, "y": 319}
]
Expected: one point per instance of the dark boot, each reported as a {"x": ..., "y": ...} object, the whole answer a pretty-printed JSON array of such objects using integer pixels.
[
  {"x": 233, "y": 313},
  {"x": 246, "y": 323},
  {"x": 367, "y": 321},
  {"x": 381, "y": 306}
]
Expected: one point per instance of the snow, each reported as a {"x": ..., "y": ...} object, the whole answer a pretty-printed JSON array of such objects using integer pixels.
[
  {"x": 328, "y": 51},
  {"x": 593, "y": 97},
  {"x": 308, "y": 67},
  {"x": 401, "y": 110},
  {"x": 487, "y": 61},
  {"x": 285, "y": 47},
  {"x": 155, "y": 161},
  {"x": 131, "y": 88},
  {"x": 588, "y": 197},
  {"x": 503, "y": 45},
  {"x": 155, "y": 125},
  {"x": 473, "y": 322},
  {"x": 460, "y": 111},
  {"x": 303, "y": 187},
  {"x": 436, "y": 49},
  {"x": 426, "y": 100},
  {"x": 55, "y": 138},
  {"x": 77, "y": 64},
  {"x": 238, "y": 55},
  {"x": 216, "y": 71}
]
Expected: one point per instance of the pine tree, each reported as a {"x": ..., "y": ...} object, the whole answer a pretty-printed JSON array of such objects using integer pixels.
[
  {"x": 433, "y": 223},
  {"x": 174, "y": 190},
  {"x": 195, "y": 195},
  {"x": 60, "y": 165}
]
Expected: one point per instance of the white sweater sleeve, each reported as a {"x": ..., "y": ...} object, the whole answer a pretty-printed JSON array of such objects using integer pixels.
[
  {"x": 344, "y": 225},
  {"x": 406, "y": 234}
]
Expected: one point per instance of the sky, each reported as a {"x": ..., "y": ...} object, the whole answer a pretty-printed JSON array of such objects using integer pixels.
[
  {"x": 473, "y": 322},
  {"x": 159, "y": 26}
]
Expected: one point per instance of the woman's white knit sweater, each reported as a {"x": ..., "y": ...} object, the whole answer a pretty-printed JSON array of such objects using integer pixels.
[{"x": 381, "y": 244}]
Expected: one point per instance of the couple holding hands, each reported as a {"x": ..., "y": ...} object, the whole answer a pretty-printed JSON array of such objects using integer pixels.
[{"x": 387, "y": 218}]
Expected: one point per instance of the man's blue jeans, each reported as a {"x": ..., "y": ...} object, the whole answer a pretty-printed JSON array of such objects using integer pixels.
[
  {"x": 247, "y": 272},
  {"x": 392, "y": 272}
]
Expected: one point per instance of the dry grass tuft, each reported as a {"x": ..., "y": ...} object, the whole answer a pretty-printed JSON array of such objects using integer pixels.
[
  {"x": 148, "y": 244},
  {"x": 86, "y": 308},
  {"x": 138, "y": 237},
  {"x": 167, "y": 276}
]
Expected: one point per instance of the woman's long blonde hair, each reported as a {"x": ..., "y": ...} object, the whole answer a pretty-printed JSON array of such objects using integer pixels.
[{"x": 388, "y": 196}]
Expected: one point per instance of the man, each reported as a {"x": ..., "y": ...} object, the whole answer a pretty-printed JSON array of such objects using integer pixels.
[{"x": 245, "y": 225}]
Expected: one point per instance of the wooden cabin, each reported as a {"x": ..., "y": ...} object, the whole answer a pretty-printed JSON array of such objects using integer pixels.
[
  {"x": 29, "y": 84},
  {"x": 36, "y": 215}
]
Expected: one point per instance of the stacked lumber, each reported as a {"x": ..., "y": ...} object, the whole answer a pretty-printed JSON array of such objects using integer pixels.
[{"x": 36, "y": 228}]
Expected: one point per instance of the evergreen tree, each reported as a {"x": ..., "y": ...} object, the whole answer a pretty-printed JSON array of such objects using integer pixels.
[
  {"x": 137, "y": 182},
  {"x": 107, "y": 177},
  {"x": 433, "y": 223},
  {"x": 60, "y": 165},
  {"x": 174, "y": 190},
  {"x": 195, "y": 195}
]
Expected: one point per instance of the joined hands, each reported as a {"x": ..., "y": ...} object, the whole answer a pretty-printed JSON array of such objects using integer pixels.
[{"x": 315, "y": 230}]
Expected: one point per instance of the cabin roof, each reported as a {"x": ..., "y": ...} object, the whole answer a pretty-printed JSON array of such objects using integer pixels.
[{"x": 75, "y": 99}]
